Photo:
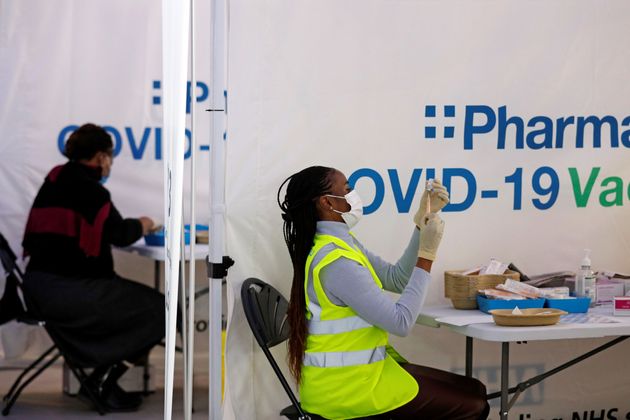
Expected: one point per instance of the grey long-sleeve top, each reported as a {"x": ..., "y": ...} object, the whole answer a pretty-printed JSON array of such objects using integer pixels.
[{"x": 347, "y": 283}]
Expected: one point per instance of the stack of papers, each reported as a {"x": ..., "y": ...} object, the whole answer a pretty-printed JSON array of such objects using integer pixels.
[{"x": 582, "y": 318}]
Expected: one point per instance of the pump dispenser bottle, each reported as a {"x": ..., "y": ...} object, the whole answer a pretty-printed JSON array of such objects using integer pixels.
[{"x": 585, "y": 280}]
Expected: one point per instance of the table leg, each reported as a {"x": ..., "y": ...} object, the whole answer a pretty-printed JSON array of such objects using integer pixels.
[
  {"x": 156, "y": 275},
  {"x": 156, "y": 285},
  {"x": 505, "y": 370},
  {"x": 469, "y": 356}
]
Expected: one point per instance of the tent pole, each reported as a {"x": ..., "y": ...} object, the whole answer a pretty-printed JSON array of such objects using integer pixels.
[
  {"x": 188, "y": 374},
  {"x": 218, "y": 263},
  {"x": 175, "y": 21}
]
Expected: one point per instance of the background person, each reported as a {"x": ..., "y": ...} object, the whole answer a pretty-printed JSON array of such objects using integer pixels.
[
  {"x": 340, "y": 316},
  {"x": 101, "y": 318}
]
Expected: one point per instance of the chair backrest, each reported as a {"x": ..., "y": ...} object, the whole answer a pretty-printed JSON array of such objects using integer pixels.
[
  {"x": 12, "y": 305},
  {"x": 266, "y": 312},
  {"x": 7, "y": 256}
]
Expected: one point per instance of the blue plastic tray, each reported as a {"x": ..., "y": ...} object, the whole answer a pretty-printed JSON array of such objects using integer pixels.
[
  {"x": 571, "y": 305},
  {"x": 486, "y": 305},
  {"x": 157, "y": 238},
  {"x": 198, "y": 227}
]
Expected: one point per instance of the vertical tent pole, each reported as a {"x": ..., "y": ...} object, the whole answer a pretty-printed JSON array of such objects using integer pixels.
[
  {"x": 188, "y": 374},
  {"x": 175, "y": 21},
  {"x": 217, "y": 262}
]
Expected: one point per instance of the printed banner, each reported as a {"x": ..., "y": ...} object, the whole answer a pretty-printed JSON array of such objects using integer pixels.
[{"x": 521, "y": 108}]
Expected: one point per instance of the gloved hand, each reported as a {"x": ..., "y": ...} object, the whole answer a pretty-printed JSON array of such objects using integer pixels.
[
  {"x": 430, "y": 236},
  {"x": 438, "y": 199}
]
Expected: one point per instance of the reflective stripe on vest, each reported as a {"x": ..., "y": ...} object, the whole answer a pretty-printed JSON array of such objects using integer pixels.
[
  {"x": 336, "y": 326},
  {"x": 345, "y": 358}
]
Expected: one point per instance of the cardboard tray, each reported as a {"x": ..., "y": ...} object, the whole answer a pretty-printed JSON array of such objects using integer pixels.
[{"x": 530, "y": 317}]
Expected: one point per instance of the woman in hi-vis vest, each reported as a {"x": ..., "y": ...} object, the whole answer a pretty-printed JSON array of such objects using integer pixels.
[{"x": 340, "y": 315}]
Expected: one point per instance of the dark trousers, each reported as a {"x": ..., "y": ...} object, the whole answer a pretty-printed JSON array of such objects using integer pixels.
[
  {"x": 97, "y": 322},
  {"x": 443, "y": 395}
]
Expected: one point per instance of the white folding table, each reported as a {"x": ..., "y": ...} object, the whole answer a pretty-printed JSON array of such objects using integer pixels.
[
  {"x": 485, "y": 329},
  {"x": 157, "y": 254}
]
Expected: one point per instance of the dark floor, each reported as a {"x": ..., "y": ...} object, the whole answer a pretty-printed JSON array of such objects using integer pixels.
[{"x": 44, "y": 399}]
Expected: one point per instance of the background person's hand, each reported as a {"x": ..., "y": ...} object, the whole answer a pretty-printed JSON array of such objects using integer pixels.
[
  {"x": 147, "y": 225},
  {"x": 438, "y": 198},
  {"x": 430, "y": 236}
]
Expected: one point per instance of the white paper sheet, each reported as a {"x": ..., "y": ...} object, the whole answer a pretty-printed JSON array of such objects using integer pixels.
[{"x": 463, "y": 320}]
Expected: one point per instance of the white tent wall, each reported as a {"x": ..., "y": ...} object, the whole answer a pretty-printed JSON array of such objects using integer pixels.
[
  {"x": 347, "y": 84},
  {"x": 65, "y": 63}
]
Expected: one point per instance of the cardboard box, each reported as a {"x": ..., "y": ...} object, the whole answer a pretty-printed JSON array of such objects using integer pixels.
[
  {"x": 607, "y": 291},
  {"x": 621, "y": 306}
]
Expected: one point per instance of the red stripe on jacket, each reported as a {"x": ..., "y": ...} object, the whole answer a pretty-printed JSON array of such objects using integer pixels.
[
  {"x": 54, "y": 173},
  {"x": 67, "y": 222}
]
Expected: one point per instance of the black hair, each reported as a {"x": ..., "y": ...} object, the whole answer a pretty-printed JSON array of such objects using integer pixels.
[
  {"x": 86, "y": 141},
  {"x": 300, "y": 217}
]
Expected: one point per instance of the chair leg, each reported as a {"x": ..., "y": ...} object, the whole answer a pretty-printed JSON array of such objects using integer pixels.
[
  {"x": 146, "y": 376},
  {"x": 18, "y": 387},
  {"x": 82, "y": 377},
  {"x": 28, "y": 369}
]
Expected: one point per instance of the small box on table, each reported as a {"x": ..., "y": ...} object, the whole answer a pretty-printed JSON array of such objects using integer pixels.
[
  {"x": 486, "y": 305},
  {"x": 621, "y": 306}
]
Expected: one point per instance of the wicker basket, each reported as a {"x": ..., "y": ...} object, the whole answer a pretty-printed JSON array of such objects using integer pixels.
[{"x": 462, "y": 290}]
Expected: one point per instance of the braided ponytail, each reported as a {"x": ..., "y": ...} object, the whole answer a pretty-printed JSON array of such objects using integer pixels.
[{"x": 300, "y": 219}]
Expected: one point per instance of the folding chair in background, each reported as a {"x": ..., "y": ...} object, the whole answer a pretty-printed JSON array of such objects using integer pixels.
[
  {"x": 16, "y": 307},
  {"x": 266, "y": 312}
]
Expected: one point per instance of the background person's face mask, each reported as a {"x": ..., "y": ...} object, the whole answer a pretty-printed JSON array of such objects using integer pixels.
[{"x": 353, "y": 216}]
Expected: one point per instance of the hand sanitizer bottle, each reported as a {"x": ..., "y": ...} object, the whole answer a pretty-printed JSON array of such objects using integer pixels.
[{"x": 585, "y": 280}]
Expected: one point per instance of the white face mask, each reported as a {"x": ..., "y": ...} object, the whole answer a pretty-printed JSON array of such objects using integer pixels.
[{"x": 353, "y": 216}]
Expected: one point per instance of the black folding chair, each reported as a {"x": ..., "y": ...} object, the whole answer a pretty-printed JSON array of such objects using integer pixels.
[
  {"x": 266, "y": 312},
  {"x": 20, "y": 309}
]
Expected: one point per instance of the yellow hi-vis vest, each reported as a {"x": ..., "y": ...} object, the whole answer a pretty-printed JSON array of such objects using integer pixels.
[{"x": 347, "y": 371}]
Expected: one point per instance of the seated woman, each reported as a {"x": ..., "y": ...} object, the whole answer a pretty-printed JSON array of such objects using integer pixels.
[
  {"x": 99, "y": 318},
  {"x": 340, "y": 316}
]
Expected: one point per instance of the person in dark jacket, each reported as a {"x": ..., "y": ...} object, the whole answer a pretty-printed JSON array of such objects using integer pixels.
[{"x": 100, "y": 318}]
